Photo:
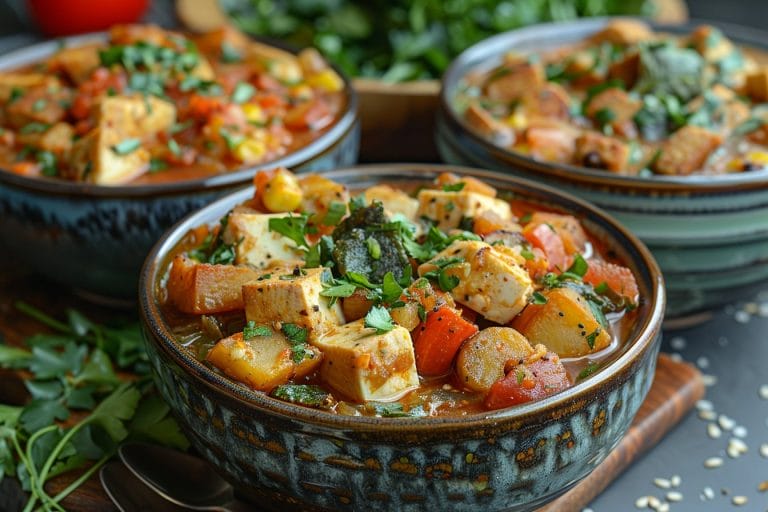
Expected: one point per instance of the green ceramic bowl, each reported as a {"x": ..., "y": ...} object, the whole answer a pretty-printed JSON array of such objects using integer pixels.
[
  {"x": 287, "y": 457},
  {"x": 708, "y": 233}
]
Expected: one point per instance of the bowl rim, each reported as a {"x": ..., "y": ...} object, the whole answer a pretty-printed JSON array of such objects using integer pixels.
[
  {"x": 34, "y": 52},
  {"x": 491, "y": 48},
  {"x": 648, "y": 329}
]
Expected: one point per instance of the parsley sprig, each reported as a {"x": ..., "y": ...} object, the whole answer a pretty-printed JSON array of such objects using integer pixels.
[{"x": 74, "y": 369}]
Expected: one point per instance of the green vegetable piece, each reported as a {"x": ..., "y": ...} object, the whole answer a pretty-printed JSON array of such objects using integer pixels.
[
  {"x": 251, "y": 330},
  {"x": 304, "y": 394},
  {"x": 126, "y": 146},
  {"x": 379, "y": 318}
]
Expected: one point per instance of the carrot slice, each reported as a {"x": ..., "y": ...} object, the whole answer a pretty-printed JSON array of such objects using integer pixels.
[
  {"x": 438, "y": 340},
  {"x": 619, "y": 278}
]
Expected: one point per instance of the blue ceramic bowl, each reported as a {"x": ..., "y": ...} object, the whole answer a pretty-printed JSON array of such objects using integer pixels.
[
  {"x": 708, "y": 233},
  {"x": 284, "y": 456},
  {"x": 95, "y": 238}
]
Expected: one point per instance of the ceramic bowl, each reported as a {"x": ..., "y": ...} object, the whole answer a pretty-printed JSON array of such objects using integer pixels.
[
  {"x": 708, "y": 233},
  {"x": 95, "y": 238},
  {"x": 288, "y": 457}
]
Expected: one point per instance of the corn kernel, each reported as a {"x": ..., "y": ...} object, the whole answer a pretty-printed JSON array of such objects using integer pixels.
[
  {"x": 735, "y": 165},
  {"x": 282, "y": 193},
  {"x": 758, "y": 157},
  {"x": 254, "y": 113},
  {"x": 518, "y": 121},
  {"x": 250, "y": 150},
  {"x": 327, "y": 80}
]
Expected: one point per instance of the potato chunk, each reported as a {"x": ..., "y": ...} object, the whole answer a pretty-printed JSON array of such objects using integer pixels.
[
  {"x": 623, "y": 32},
  {"x": 686, "y": 150},
  {"x": 564, "y": 324},
  {"x": 602, "y": 152},
  {"x": 292, "y": 296},
  {"x": 202, "y": 288},
  {"x": 483, "y": 357},
  {"x": 262, "y": 362},
  {"x": 448, "y": 208},
  {"x": 616, "y": 108},
  {"x": 511, "y": 82},
  {"x": 393, "y": 200},
  {"x": 77, "y": 62},
  {"x": 491, "y": 279},
  {"x": 368, "y": 366},
  {"x": 255, "y": 244},
  {"x": 550, "y": 100},
  {"x": 757, "y": 84}
]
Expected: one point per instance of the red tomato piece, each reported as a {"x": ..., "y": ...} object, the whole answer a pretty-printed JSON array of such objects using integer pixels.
[{"x": 526, "y": 383}]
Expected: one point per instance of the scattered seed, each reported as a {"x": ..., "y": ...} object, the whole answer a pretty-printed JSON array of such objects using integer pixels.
[
  {"x": 763, "y": 391},
  {"x": 705, "y": 405},
  {"x": 763, "y": 310},
  {"x": 741, "y": 317},
  {"x": 708, "y": 415},
  {"x": 663, "y": 507},
  {"x": 702, "y": 362},
  {"x": 678, "y": 343},
  {"x": 725, "y": 422},
  {"x": 709, "y": 380},
  {"x": 714, "y": 431},
  {"x": 674, "y": 496},
  {"x": 739, "y": 500},
  {"x": 763, "y": 486},
  {"x": 676, "y": 357},
  {"x": 751, "y": 308},
  {"x": 676, "y": 480},
  {"x": 587, "y": 510},
  {"x": 713, "y": 462},
  {"x": 764, "y": 450},
  {"x": 653, "y": 502},
  {"x": 740, "y": 431},
  {"x": 738, "y": 444},
  {"x": 709, "y": 493},
  {"x": 641, "y": 502},
  {"x": 662, "y": 483}
]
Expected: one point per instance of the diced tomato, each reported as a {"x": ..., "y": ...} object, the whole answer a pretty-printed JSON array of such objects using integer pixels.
[
  {"x": 25, "y": 168},
  {"x": 436, "y": 342},
  {"x": 525, "y": 383},
  {"x": 203, "y": 107},
  {"x": 309, "y": 115},
  {"x": 545, "y": 238},
  {"x": 567, "y": 226},
  {"x": 538, "y": 265},
  {"x": 619, "y": 278}
]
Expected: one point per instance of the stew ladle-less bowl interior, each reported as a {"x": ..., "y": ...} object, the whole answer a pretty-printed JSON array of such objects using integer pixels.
[
  {"x": 287, "y": 456},
  {"x": 94, "y": 238},
  {"x": 708, "y": 233}
]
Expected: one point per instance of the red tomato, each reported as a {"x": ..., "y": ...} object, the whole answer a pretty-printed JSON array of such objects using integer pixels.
[
  {"x": 65, "y": 17},
  {"x": 526, "y": 383}
]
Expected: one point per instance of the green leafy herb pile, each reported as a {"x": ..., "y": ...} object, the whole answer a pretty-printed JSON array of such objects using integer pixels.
[
  {"x": 81, "y": 408},
  {"x": 405, "y": 39}
]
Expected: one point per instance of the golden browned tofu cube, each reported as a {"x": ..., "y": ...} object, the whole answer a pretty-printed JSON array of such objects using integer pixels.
[
  {"x": 393, "y": 200},
  {"x": 255, "y": 244},
  {"x": 623, "y": 32},
  {"x": 292, "y": 296},
  {"x": 203, "y": 289},
  {"x": 22, "y": 82},
  {"x": 757, "y": 84},
  {"x": 550, "y": 141},
  {"x": 37, "y": 105},
  {"x": 78, "y": 62},
  {"x": 602, "y": 152},
  {"x": 263, "y": 362},
  {"x": 448, "y": 208},
  {"x": 616, "y": 108},
  {"x": 509, "y": 83},
  {"x": 627, "y": 69},
  {"x": 487, "y": 126},
  {"x": 550, "y": 100},
  {"x": 319, "y": 193},
  {"x": 686, "y": 150},
  {"x": 368, "y": 366}
]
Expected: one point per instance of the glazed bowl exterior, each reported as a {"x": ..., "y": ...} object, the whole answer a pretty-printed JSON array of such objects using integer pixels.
[
  {"x": 95, "y": 238},
  {"x": 709, "y": 234},
  {"x": 289, "y": 457}
]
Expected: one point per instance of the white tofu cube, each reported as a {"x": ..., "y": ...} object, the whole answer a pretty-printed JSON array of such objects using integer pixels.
[
  {"x": 448, "y": 208},
  {"x": 255, "y": 244},
  {"x": 393, "y": 200},
  {"x": 491, "y": 279},
  {"x": 367, "y": 366},
  {"x": 292, "y": 295}
]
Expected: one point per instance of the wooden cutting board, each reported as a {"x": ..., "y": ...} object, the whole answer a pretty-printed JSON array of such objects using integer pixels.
[{"x": 676, "y": 388}]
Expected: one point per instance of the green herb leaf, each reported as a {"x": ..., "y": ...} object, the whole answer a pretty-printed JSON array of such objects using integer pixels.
[
  {"x": 303, "y": 394},
  {"x": 243, "y": 92},
  {"x": 336, "y": 212},
  {"x": 292, "y": 227},
  {"x": 538, "y": 299},
  {"x": 34, "y": 127},
  {"x": 591, "y": 337},
  {"x": 454, "y": 187},
  {"x": 379, "y": 318},
  {"x": 588, "y": 370},
  {"x": 251, "y": 330},
  {"x": 395, "y": 410},
  {"x": 390, "y": 289},
  {"x": 126, "y": 146},
  {"x": 374, "y": 248},
  {"x": 297, "y": 336}
]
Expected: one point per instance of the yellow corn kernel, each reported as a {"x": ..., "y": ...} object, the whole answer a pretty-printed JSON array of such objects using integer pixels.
[
  {"x": 518, "y": 121},
  {"x": 250, "y": 150},
  {"x": 735, "y": 165},
  {"x": 302, "y": 92},
  {"x": 254, "y": 113},
  {"x": 327, "y": 80},
  {"x": 758, "y": 157},
  {"x": 282, "y": 193}
]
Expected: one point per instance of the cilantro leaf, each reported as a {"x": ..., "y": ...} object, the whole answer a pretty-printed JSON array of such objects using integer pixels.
[
  {"x": 336, "y": 211},
  {"x": 538, "y": 298},
  {"x": 454, "y": 187},
  {"x": 297, "y": 336},
  {"x": 390, "y": 288},
  {"x": 126, "y": 146},
  {"x": 243, "y": 92},
  {"x": 292, "y": 227},
  {"x": 303, "y": 394},
  {"x": 379, "y": 318},
  {"x": 251, "y": 330},
  {"x": 115, "y": 409}
]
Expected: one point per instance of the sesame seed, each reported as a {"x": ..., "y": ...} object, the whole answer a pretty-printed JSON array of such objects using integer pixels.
[
  {"x": 676, "y": 357},
  {"x": 764, "y": 450},
  {"x": 641, "y": 502},
  {"x": 725, "y": 422},
  {"x": 741, "y": 317},
  {"x": 702, "y": 363},
  {"x": 676, "y": 480},
  {"x": 708, "y": 415},
  {"x": 662, "y": 483},
  {"x": 713, "y": 462},
  {"x": 677, "y": 343},
  {"x": 674, "y": 496},
  {"x": 714, "y": 431},
  {"x": 739, "y": 500},
  {"x": 763, "y": 391},
  {"x": 740, "y": 431},
  {"x": 663, "y": 507},
  {"x": 653, "y": 502},
  {"x": 738, "y": 444},
  {"x": 704, "y": 405},
  {"x": 709, "y": 493},
  {"x": 709, "y": 380}
]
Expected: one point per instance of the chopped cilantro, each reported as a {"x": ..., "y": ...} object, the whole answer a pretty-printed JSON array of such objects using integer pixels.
[
  {"x": 126, "y": 146},
  {"x": 297, "y": 336},
  {"x": 591, "y": 337},
  {"x": 336, "y": 211},
  {"x": 520, "y": 375},
  {"x": 303, "y": 394},
  {"x": 538, "y": 298},
  {"x": 243, "y": 92},
  {"x": 588, "y": 370},
  {"x": 230, "y": 54},
  {"x": 173, "y": 147},
  {"x": 292, "y": 227},
  {"x": 379, "y": 318},
  {"x": 454, "y": 187},
  {"x": 251, "y": 330},
  {"x": 34, "y": 127}
]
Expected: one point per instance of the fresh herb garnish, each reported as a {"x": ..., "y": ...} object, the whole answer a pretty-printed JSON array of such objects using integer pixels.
[
  {"x": 454, "y": 187},
  {"x": 34, "y": 127},
  {"x": 336, "y": 212},
  {"x": 252, "y": 330},
  {"x": 292, "y": 227},
  {"x": 538, "y": 298},
  {"x": 379, "y": 318},
  {"x": 297, "y": 337},
  {"x": 374, "y": 248},
  {"x": 303, "y": 394},
  {"x": 48, "y": 163},
  {"x": 395, "y": 410},
  {"x": 243, "y": 92},
  {"x": 126, "y": 146},
  {"x": 591, "y": 337},
  {"x": 588, "y": 370}
]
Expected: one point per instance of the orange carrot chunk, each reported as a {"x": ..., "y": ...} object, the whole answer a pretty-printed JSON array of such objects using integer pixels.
[
  {"x": 438, "y": 339},
  {"x": 619, "y": 278}
]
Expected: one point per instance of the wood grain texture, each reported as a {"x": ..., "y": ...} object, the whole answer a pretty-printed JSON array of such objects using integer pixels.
[{"x": 676, "y": 388}]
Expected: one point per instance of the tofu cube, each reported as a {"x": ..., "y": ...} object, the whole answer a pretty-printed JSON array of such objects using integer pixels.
[
  {"x": 262, "y": 362},
  {"x": 510, "y": 83},
  {"x": 619, "y": 106},
  {"x": 492, "y": 280},
  {"x": 203, "y": 289},
  {"x": 368, "y": 366},
  {"x": 623, "y": 32},
  {"x": 686, "y": 150},
  {"x": 448, "y": 208},
  {"x": 393, "y": 200},
  {"x": 602, "y": 152},
  {"x": 757, "y": 85},
  {"x": 292, "y": 295},
  {"x": 78, "y": 62},
  {"x": 255, "y": 244},
  {"x": 550, "y": 100},
  {"x": 488, "y": 126}
]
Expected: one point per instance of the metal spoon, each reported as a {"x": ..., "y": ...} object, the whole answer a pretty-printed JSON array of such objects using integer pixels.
[
  {"x": 129, "y": 494},
  {"x": 183, "y": 479}
]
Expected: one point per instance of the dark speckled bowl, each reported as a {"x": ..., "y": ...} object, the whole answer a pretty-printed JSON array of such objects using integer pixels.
[
  {"x": 95, "y": 238},
  {"x": 284, "y": 456}
]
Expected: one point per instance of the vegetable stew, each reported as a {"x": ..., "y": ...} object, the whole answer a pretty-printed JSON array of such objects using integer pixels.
[
  {"x": 150, "y": 106},
  {"x": 445, "y": 300},
  {"x": 628, "y": 101}
]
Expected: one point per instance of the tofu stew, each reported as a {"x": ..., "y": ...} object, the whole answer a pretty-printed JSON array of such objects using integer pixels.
[
  {"x": 150, "y": 105},
  {"x": 443, "y": 300},
  {"x": 629, "y": 101}
]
